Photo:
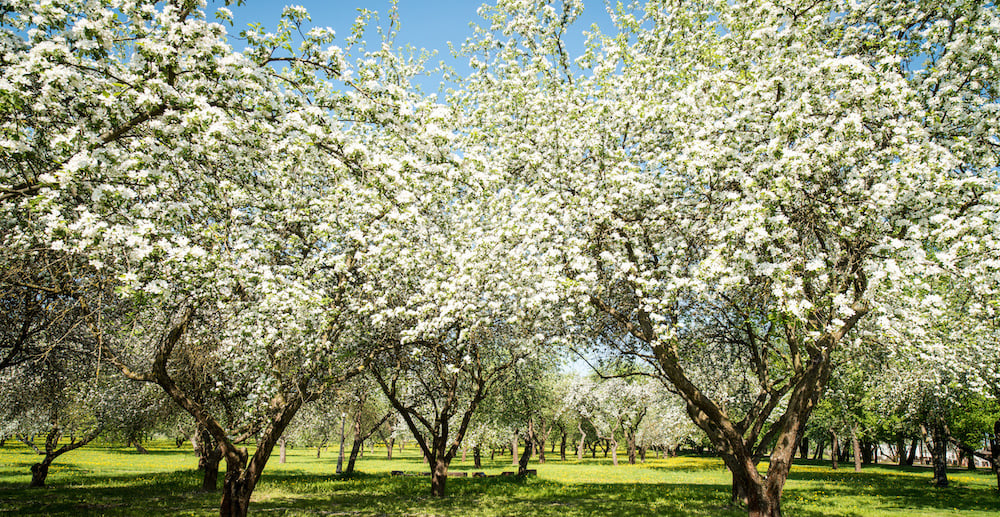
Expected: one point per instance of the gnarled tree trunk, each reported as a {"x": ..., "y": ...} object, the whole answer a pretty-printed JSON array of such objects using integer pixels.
[{"x": 40, "y": 470}]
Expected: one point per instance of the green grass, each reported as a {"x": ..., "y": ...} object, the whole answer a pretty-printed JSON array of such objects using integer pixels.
[{"x": 113, "y": 481}]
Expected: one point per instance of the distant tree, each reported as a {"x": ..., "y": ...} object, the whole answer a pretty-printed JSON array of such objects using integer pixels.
[{"x": 56, "y": 400}]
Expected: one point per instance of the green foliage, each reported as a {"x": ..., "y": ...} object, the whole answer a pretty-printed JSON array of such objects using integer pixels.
[{"x": 973, "y": 418}]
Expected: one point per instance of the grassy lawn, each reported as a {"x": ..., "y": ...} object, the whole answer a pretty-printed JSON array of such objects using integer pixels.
[{"x": 113, "y": 481}]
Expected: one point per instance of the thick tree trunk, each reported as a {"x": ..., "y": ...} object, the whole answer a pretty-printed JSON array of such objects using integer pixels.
[
  {"x": 210, "y": 475},
  {"x": 631, "y": 449},
  {"x": 939, "y": 452},
  {"x": 40, "y": 471},
  {"x": 209, "y": 465},
  {"x": 235, "y": 489},
  {"x": 911, "y": 455},
  {"x": 282, "y": 456},
  {"x": 613, "y": 445},
  {"x": 562, "y": 447},
  {"x": 513, "y": 451},
  {"x": 804, "y": 448},
  {"x": 209, "y": 456},
  {"x": 583, "y": 439},
  {"x": 522, "y": 462},
  {"x": 477, "y": 460},
  {"x": 738, "y": 491},
  {"x": 439, "y": 476},
  {"x": 388, "y": 452},
  {"x": 869, "y": 453},
  {"x": 242, "y": 476}
]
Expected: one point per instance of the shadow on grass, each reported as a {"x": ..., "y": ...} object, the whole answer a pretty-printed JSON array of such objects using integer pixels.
[
  {"x": 164, "y": 493},
  {"x": 292, "y": 492},
  {"x": 899, "y": 488},
  {"x": 379, "y": 494}
]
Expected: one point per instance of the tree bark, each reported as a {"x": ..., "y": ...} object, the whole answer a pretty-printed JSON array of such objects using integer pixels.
[
  {"x": 938, "y": 435},
  {"x": 439, "y": 476},
  {"x": 910, "y": 456},
  {"x": 562, "y": 446},
  {"x": 583, "y": 439},
  {"x": 834, "y": 449},
  {"x": 340, "y": 455},
  {"x": 209, "y": 455},
  {"x": 738, "y": 491},
  {"x": 522, "y": 462},
  {"x": 356, "y": 446},
  {"x": 477, "y": 460},
  {"x": 856, "y": 446},
  {"x": 282, "y": 442},
  {"x": 210, "y": 472},
  {"x": 869, "y": 452},
  {"x": 40, "y": 471}
]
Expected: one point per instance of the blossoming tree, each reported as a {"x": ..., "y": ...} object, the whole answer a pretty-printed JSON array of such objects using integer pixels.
[
  {"x": 227, "y": 200},
  {"x": 725, "y": 163}
]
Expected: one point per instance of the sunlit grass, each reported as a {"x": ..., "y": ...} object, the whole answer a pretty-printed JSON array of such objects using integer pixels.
[{"x": 99, "y": 480}]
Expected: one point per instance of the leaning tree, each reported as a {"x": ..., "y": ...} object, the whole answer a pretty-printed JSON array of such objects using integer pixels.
[{"x": 732, "y": 180}]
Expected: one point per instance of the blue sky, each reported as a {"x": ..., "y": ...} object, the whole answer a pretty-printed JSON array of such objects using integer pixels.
[{"x": 427, "y": 24}]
